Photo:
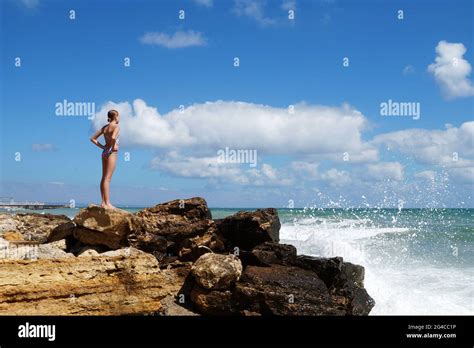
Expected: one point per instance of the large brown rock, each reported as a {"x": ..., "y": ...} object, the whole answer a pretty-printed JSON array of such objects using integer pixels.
[
  {"x": 217, "y": 272},
  {"x": 110, "y": 285},
  {"x": 212, "y": 302},
  {"x": 176, "y": 220},
  {"x": 246, "y": 230},
  {"x": 101, "y": 226},
  {"x": 62, "y": 231}
]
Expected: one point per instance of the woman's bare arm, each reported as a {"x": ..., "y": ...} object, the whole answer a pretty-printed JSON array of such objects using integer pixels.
[{"x": 95, "y": 136}]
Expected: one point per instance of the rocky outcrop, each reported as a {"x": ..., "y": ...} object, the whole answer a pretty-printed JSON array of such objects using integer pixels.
[
  {"x": 171, "y": 259},
  {"x": 32, "y": 226},
  {"x": 100, "y": 226},
  {"x": 106, "y": 285},
  {"x": 217, "y": 272},
  {"x": 175, "y": 220},
  {"x": 179, "y": 227},
  {"x": 276, "y": 281},
  {"x": 245, "y": 230}
]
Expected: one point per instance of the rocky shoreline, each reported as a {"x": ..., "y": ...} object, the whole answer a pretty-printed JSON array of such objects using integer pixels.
[{"x": 170, "y": 259}]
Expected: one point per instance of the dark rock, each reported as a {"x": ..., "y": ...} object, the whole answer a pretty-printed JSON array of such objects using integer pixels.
[
  {"x": 351, "y": 274},
  {"x": 176, "y": 220},
  {"x": 246, "y": 230},
  {"x": 61, "y": 231},
  {"x": 212, "y": 302},
  {"x": 361, "y": 303},
  {"x": 284, "y": 290},
  {"x": 150, "y": 243},
  {"x": 270, "y": 253},
  {"x": 328, "y": 269},
  {"x": 333, "y": 271}
]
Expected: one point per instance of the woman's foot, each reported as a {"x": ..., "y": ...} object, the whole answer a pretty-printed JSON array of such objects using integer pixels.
[
  {"x": 103, "y": 205},
  {"x": 109, "y": 206}
]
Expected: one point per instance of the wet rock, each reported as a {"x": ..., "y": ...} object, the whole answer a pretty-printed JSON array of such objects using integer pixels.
[
  {"x": 351, "y": 274},
  {"x": 246, "y": 230},
  {"x": 333, "y": 271},
  {"x": 327, "y": 269},
  {"x": 217, "y": 272}
]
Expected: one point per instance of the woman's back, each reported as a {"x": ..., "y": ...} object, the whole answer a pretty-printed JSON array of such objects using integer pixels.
[{"x": 108, "y": 131}]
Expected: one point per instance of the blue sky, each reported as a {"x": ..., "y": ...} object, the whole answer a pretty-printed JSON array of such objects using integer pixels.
[{"x": 424, "y": 58}]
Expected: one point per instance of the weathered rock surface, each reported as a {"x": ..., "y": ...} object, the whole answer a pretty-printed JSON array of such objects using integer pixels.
[
  {"x": 269, "y": 253},
  {"x": 285, "y": 290},
  {"x": 113, "y": 262},
  {"x": 212, "y": 302},
  {"x": 85, "y": 286},
  {"x": 171, "y": 307},
  {"x": 217, "y": 272},
  {"x": 32, "y": 226},
  {"x": 13, "y": 236},
  {"x": 100, "y": 226},
  {"x": 191, "y": 249},
  {"x": 246, "y": 230},
  {"x": 175, "y": 220}
]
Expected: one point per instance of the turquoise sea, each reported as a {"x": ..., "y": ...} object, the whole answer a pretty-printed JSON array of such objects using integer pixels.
[{"x": 417, "y": 261}]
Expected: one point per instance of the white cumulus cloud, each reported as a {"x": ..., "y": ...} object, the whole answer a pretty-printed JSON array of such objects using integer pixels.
[
  {"x": 207, "y": 127},
  {"x": 210, "y": 167},
  {"x": 452, "y": 148},
  {"x": 451, "y": 71}
]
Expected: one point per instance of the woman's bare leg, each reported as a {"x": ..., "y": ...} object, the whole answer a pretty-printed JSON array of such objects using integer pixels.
[
  {"x": 102, "y": 181},
  {"x": 109, "y": 171}
]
